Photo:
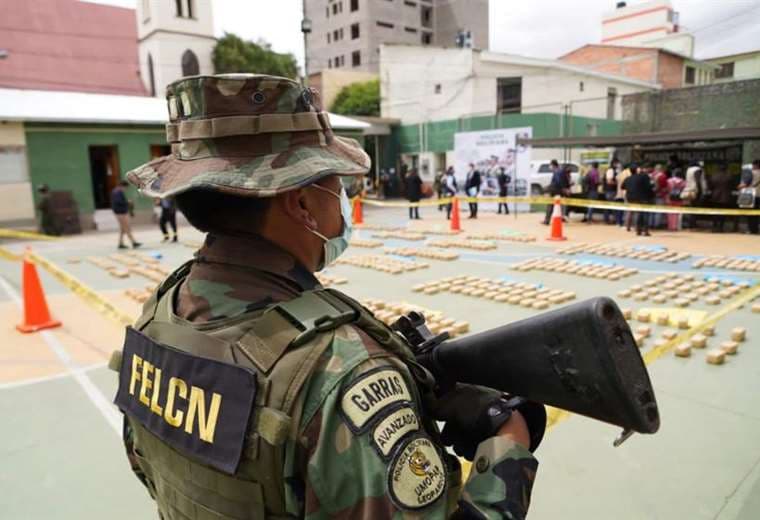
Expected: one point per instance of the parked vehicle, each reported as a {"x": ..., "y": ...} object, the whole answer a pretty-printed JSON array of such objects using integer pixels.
[{"x": 541, "y": 176}]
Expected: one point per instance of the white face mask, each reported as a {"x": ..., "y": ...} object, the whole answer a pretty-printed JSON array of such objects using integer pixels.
[{"x": 334, "y": 247}]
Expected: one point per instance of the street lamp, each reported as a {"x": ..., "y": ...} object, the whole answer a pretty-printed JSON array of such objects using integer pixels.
[{"x": 305, "y": 29}]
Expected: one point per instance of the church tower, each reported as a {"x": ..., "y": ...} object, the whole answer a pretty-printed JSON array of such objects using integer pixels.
[{"x": 175, "y": 39}]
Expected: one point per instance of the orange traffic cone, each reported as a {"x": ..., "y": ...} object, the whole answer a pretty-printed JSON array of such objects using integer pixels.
[
  {"x": 36, "y": 313},
  {"x": 358, "y": 217},
  {"x": 556, "y": 231},
  {"x": 455, "y": 225}
]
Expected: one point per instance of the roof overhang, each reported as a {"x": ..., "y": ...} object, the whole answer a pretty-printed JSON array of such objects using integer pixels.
[
  {"x": 720, "y": 134},
  {"x": 47, "y": 106}
]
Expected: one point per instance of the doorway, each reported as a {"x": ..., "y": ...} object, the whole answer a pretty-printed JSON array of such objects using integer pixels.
[{"x": 105, "y": 173}]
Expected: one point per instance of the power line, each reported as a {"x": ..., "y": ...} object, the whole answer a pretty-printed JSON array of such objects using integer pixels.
[{"x": 720, "y": 22}]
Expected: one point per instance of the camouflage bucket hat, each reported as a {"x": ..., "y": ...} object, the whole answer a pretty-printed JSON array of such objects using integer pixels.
[{"x": 246, "y": 134}]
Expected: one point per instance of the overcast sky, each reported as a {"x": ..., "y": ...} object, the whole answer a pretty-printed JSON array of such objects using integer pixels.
[{"x": 538, "y": 28}]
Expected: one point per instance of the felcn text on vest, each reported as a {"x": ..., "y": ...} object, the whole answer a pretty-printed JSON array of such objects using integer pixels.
[{"x": 174, "y": 406}]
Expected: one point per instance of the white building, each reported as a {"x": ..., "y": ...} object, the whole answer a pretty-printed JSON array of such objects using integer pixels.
[
  {"x": 646, "y": 24},
  {"x": 175, "y": 39},
  {"x": 421, "y": 85}
]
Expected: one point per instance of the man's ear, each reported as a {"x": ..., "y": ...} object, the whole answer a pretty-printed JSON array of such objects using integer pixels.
[{"x": 299, "y": 206}]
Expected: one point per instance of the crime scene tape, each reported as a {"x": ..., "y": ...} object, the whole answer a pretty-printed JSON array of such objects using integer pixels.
[
  {"x": 89, "y": 295},
  {"x": 556, "y": 415},
  {"x": 14, "y": 233},
  {"x": 571, "y": 201},
  {"x": 7, "y": 254}
]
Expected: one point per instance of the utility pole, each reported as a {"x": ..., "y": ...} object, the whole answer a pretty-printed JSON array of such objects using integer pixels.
[{"x": 305, "y": 29}]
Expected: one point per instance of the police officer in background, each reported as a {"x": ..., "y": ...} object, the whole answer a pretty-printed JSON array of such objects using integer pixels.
[{"x": 251, "y": 392}]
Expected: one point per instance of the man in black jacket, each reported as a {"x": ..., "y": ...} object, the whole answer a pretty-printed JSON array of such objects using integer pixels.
[
  {"x": 503, "y": 180},
  {"x": 472, "y": 188},
  {"x": 639, "y": 190}
]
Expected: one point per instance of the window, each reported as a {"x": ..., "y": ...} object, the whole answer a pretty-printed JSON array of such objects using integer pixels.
[
  {"x": 611, "y": 101},
  {"x": 329, "y": 63},
  {"x": 356, "y": 58},
  {"x": 509, "y": 95},
  {"x": 726, "y": 70},
  {"x": 335, "y": 9},
  {"x": 580, "y": 86},
  {"x": 410, "y": 4},
  {"x": 354, "y": 31},
  {"x": 437, "y": 88},
  {"x": 427, "y": 38},
  {"x": 340, "y": 33},
  {"x": 339, "y": 61},
  {"x": 410, "y": 30},
  {"x": 354, "y": 5},
  {"x": 340, "y": 7},
  {"x": 335, "y": 35},
  {"x": 426, "y": 16},
  {"x": 190, "y": 64},
  {"x": 328, "y": 37},
  {"x": 183, "y": 8},
  {"x": 690, "y": 73},
  {"x": 327, "y": 12},
  {"x": 385, "y": 24}
]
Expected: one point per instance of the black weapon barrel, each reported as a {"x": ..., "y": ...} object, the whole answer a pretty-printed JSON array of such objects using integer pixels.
[{"x": 581, "y": 358}]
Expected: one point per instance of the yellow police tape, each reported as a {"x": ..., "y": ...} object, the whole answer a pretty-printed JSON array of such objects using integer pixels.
[
  {"x": 571, "y": 201},
  {"x": 89, "y": 295},
  {"x": 7, "y": 254},
  {"x": 14, "y": 233}
]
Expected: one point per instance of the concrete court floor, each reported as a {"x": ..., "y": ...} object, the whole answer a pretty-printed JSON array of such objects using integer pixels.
[{"x": 60, "y": 449}]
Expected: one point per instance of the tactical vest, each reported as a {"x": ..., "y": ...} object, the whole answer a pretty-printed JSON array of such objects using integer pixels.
[{"x": 282, "y": 345}]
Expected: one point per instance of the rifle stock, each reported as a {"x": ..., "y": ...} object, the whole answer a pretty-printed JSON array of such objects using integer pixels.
[{"x": 581, "y": 358}]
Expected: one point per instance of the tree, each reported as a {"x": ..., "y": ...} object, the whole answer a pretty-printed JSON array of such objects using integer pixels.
[
  {"x": 233, "y": 54},
  {"x": 358, "y": 99}
]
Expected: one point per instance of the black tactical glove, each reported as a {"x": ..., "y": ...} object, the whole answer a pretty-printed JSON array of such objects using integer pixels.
[{"x": 475, "y": 413}]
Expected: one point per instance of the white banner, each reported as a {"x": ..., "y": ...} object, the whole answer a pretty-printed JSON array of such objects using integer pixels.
[{"x": 490, "y": 150}]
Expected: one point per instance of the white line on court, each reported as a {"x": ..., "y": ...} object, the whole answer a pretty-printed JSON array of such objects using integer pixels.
[
  {"x": 105, "y": 407},
  {"x": 45, "y": 379}
]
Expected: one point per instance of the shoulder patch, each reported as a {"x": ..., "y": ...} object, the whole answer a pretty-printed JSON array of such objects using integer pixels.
[
  {"x": 416, "y": 474},
  {"x": 392, "y": 428},
  {"x": 372, "y": 392},
  {"x": 199, "y": 406}
]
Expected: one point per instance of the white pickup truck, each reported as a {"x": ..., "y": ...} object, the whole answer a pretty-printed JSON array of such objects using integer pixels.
[{"x": 541, "y": 176}]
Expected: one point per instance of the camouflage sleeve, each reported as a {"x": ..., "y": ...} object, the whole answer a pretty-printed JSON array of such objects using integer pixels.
[
  {"x": 369, "y": 456},
  {"x": 500, "y": 481}
]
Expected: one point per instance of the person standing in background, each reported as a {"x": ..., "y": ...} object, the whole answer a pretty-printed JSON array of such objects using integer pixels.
[
  {"x": 472, "y": 188},
  {"x": 168, "y": 216},
  {"x": 676, "y": 185},
  {"x": 660, "y": 182},
  {"x": 752, "y": 180},
  {"x": 721, "y": 184},
  {"x": 559, "y": 185},
  {"x": 450, "y": 188},
  {"x": 638, "y": 189},
  {"x": 438, "y": 187},
  {"x": 694, "y": 192},
  {"x": 610, "y": 192},
  {"x": 121, "y": 208},
  {"x": 413, "y": 192},
  {"x": 591, "y": 182},
  {"x": 503, "y": 180},
  {"x": 621, "y": 195}
]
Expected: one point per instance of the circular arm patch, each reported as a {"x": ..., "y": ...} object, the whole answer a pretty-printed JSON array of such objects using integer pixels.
[{"x": 416, "y": 474}]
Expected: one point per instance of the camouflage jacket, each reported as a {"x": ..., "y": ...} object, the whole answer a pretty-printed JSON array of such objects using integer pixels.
[{"x": 366, "y": 450}]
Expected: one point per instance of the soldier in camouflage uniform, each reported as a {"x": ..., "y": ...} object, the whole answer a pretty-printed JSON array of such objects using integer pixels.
[{"x": 330, "y": 421}]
